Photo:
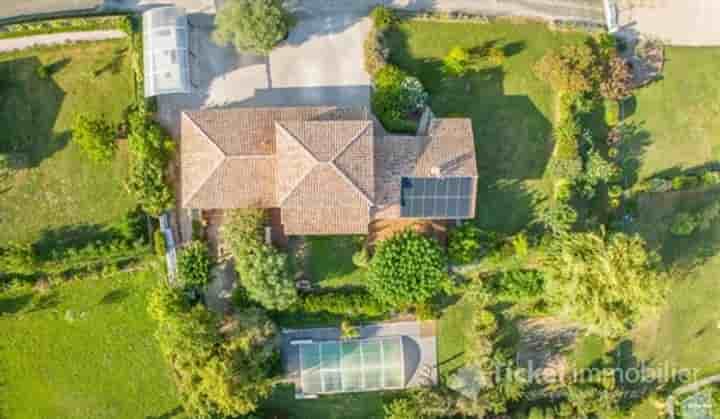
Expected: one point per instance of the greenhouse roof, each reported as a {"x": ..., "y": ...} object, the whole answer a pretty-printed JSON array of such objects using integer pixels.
[{"x": 166, "y": 42}]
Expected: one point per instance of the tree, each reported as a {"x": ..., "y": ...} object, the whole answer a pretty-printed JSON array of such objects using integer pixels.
[
  {"x": 572, "y": 69},
  {"x": 617, "y": 79},
  {"x": 95, "y": 136},
  {"x": 252, "y": 25},
  {"x": 216, "y": 373},
  {"x": 194, "y": 265},
  {"x": 457, "y": 62},
  {"x": 265, "y": 274},
  {"x": 604, "y": 281},
  {"x": 263, "y": 271},
  {"x": 408, "y": 268},
  {"x": 597, "y": 171}
]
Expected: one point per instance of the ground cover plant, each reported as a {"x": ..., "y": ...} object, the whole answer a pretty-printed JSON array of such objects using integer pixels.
[
  {"x": 56, "y": 191},
  {"x": 83, "y": 348}
]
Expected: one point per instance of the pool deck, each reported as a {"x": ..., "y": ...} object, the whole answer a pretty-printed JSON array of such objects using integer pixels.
[{"x": 419, "y": 347}]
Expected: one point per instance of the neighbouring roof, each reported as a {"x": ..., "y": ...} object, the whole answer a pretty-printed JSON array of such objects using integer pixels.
[
  {"x": 329, "y": 170},
  {"x": 166, "y": 51}
]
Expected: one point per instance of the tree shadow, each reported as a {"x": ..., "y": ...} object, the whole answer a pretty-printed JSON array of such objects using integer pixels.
[
  {"x": 12, "y": 304},
  {"x": 71, "y": 237},
  {"x": 29, "y": 109},
  {"x": 631, "y": 151},
  {"x": 114, "y": 65},
  {"x": 58, "y": 65},
  {"x": 114, "y": 296}
]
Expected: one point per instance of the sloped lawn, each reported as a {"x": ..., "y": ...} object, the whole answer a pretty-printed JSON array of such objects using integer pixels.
[{"x": 84, "y": 350}]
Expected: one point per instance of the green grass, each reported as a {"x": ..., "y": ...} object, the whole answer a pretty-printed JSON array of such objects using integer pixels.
[
  {"x": 451, "y": 337},
  {"x": 680, "y": 114},
  {"x": 56, "y": 190},
  {"x": 86, "y": 350},
  {"x": 330, "y": 264},
  {"x": 511, "y": 109},
  {"x": 283, "y": 404},
  {"x": 588, "y": 350}
]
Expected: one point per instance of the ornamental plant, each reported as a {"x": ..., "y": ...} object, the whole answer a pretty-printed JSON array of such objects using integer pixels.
[
  {"x": 194, "y": 265},
  {"x": 407, "y": 269}
]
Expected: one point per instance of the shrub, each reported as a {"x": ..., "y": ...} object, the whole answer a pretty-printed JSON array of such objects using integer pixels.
[
  {"x": 133, "y": 226},
  {"x": 711, "y": 178},
  {"x": 573, "y": 69},
  {"x": 407, "y": 269},
  {"x": 159, "y": 242},
  {"x": 348, "y": 331},
  {"x": 457, "y": 62},
  {"x": 415, "y": 95},
  {"x": 194, "y": 265},
  {"x": 95, "y": 136},
  {"x": 361, "y": 258},
  {"x": 684, "y": 182},
  {"x": 375, "y": 53},
  {"x": 383, "y": 17},
  {"x": 612, "y": 113},
  {"x": 556, "y": 217},
  {"x": 496, "y": 55},
  {"x": 42, "y": 72},
  {"x": 518, "y": 285},
  {"x": 617, "y": 80},
  {"x": 468, "y": 242},
  {"x": 252, "y": 25},
  {"x": 343, "y": 302},
  {"x": 16, "y": 258},
  {"x": 684, "y": 224},
  {"x": 391, "y": 99}
]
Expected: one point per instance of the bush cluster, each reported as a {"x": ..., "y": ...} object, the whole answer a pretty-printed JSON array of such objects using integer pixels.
[
  {"x": 407, "y": 269},
  {"x": 151, "y": 149},
  {"x": 680, "y": 182},
  {"x": 468, "y": 242},
  {"x": 95, "y": 136},
  {"x": 518, "y": 285},
  {"x": 375, "y": 52},
  {"x": 194, "y": 265},
  {"x": 685, "y": 223},
  {"x": 395, "y": 95}
]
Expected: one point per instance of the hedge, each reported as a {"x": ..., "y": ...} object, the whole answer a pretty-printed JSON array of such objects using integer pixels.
[
  {"x": 343, "y": 302},
  {"x": 79, "y": 24}
]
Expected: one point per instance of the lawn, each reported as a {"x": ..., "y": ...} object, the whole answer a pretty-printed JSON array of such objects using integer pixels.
[
  {"x": 680, "y": 114},
  {"x": 85, "y": 350},
  {"x": 511, "y": 109},
  {"x": 56, "y": 190},
  {"x": 330, "y": 264},
  {"x": 283, "y": 404}
]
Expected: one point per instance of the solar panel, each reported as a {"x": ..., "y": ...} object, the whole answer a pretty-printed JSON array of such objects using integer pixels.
[
  {"x": 449, "y": 197},
  {"x": 335, "y": 367}
]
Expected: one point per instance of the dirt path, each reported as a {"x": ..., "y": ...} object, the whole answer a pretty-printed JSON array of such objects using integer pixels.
[{"x": 15, "y": 44}]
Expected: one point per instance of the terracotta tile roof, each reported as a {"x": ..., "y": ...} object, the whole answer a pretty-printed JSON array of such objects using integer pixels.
[
  {"x": 326, "y": 168},
  {"x": 449, "y": 147}
]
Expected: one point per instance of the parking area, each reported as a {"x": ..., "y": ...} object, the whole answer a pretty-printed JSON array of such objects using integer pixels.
[
  {"x": 688, "y": 22},
  {"x": 321, "y": 63}
]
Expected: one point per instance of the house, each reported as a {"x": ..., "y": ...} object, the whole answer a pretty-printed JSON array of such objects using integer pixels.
[{"x": 327, "y": 170}]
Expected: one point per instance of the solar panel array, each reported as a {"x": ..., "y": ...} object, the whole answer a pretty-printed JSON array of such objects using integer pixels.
[
  {"x": 449, "y": 197},
  {"x": 341, "y": 367}
]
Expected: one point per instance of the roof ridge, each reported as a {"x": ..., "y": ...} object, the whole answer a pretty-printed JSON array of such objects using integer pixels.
[
  {"x": 205, "y": 134},
  {"x": 350, "y": 182},
  {"x": 281, "y": 200},
  {"x": 219, "y": 163},
  {"x": 352, "y": 140}
]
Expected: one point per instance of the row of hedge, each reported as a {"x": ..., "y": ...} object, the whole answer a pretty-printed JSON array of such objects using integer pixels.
[
  {"x": 566, "y": 162},
  {"x": 680, "y": 182},
  {"x": 77, "y": 24}
]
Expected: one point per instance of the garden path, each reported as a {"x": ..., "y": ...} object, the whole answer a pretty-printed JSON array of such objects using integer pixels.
[{"x": 14, "y": 44}]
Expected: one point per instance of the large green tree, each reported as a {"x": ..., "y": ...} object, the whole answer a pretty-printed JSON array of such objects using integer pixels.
[
  {"x": 408, "y": 268},
  {"x": 252, "y": 25},
  {"x": 605, "y": 281},
  {"x": 95, "y": 136},
  {"x": 572, "y": 69},
  {"x": 219, "y": 372}
]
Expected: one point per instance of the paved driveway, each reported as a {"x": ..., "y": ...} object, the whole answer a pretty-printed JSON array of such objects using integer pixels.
[{"x": 676, "y": 22}]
